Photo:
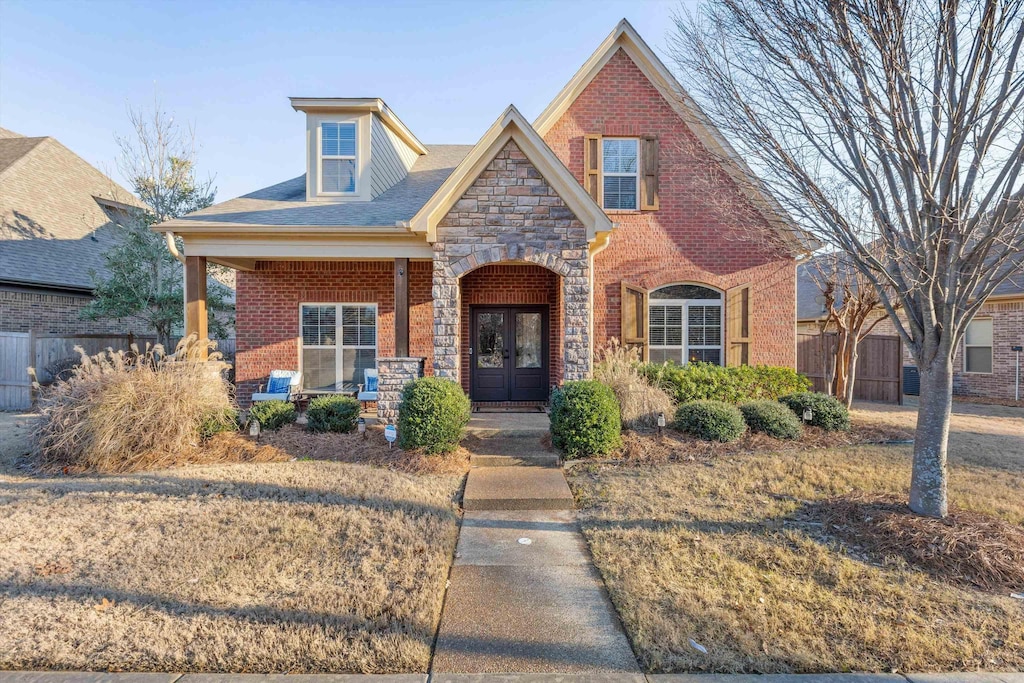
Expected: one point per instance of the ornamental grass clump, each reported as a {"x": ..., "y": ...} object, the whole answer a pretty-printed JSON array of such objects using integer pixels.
[
  {"x": 124, "y": 411},
  {"x": 433, "y": 415},
  {"x": 640, "y": 402},
  {"x": 771, "y": 418},
  {"x": 710, "y": 420}
]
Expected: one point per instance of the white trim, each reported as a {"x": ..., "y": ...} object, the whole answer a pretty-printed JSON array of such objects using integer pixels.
[
  {"x": 341, "y": 157},
  {"x": 635, "y": 175},
  {"x": 339, "y": 346},
  {"x": 359, "y": 104},
  {"x": 685, "y": 304},
  {"x": 990, "y": 346}
]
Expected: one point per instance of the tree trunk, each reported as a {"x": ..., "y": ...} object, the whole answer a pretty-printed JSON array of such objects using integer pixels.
[
  {"x": 928, "y": 495},
  {"x": 851, "y": 375}
]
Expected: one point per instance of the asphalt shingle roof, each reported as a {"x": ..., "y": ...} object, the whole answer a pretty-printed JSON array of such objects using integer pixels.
[
  {"x": 52, "y": 228},
  {"x": 285, "y": 203}
]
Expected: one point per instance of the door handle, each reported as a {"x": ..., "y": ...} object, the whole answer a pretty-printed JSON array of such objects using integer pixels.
[{"x": 505, "y": 353}]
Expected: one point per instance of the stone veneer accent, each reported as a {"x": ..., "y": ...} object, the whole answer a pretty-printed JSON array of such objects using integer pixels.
[
  {"x": 511, "y": 214},
  {"x": 393, "y": 374}
]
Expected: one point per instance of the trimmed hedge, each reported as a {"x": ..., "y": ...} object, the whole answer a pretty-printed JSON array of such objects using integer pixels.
[
  {"x": 332, "y": 414},
  {"x": 710, "y": 420},
  {"x": 826, "y": 411},
  {"x": 433, "y": 415},
  {"x": 585, "y": 419},
  {"x": 273, "y": 415},
  {"x": 734, "y": 384},
  {"x": 771, "y": 418}
]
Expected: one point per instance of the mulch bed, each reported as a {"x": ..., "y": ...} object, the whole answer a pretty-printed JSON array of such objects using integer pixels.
[
  {"x": 646, "y": 447},
  {"x": 298, "y": 442},
  {"x": 981, "y": 400},
  {"x": 965, "y": 547}
]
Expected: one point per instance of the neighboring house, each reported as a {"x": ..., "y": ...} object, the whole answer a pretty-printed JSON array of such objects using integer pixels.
[
  {"x": 985, "y": 364},
  {"x": 56, "y": 221},
  {"x": 506, "y": 265}
]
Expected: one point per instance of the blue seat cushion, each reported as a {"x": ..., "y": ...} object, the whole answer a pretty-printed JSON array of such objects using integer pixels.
[
  {"x": 278, "y": 385},
  {"x": 371, "y": 383}
]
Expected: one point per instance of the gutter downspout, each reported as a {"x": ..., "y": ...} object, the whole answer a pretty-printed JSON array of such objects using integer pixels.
[
  {"x": 173, "y": 248},
  {"x": 596, "y": 247}
]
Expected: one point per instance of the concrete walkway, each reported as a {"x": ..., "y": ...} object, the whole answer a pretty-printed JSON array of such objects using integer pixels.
[{"x": 524, "y": 596}]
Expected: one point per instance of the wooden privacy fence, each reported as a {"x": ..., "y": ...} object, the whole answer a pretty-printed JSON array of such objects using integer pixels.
[
  {"x": 879, "y": 365},
  {"x": 15, "y": 358}
]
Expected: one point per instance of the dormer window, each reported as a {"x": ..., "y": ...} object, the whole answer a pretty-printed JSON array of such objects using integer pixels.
[{"x": 338, "y": 164}]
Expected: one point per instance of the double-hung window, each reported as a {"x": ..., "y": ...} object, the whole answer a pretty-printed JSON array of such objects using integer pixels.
[
  {"x": 620, "y": 173},
  {"x": 339, "y": 342},
  {"x": 685, "y": 325},
  {"x": 338, "y": 157},
  {"x": 978, "y": 346}
]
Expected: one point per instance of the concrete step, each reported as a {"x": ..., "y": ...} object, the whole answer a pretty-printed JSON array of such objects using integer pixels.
[
  {"x": 517, "y": 488},
  {"x": 508, "y": 425},
  {"x": 531, "y": 460}
]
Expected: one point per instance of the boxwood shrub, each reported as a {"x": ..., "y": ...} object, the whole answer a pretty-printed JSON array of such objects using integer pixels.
[
  {"x": 826, "y": 411},
  {"x": 710, "y": 420},
  {"x": 433, "y": 415},
  {"x": 215, "y": 423},
  {"x": 771, "y": 418},
  {"x": 273, "y": 415},
  {"x": 734, "y": 384},
  {"x": 585, "y": 419},
  {"x": 332, "y": 414}
]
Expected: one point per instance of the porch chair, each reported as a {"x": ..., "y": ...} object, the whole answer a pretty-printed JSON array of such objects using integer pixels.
[
  {"x": 280, "y": 387},
  {"x": 368, "y": 389}
]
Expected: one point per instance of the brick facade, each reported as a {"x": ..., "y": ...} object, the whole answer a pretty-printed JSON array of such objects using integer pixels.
[
  {"x": 690, "y": 238},
  {"x": 510, "y": 213},
  {"x": 51, "y": 313},
  {"x": 268, "y": 300}
]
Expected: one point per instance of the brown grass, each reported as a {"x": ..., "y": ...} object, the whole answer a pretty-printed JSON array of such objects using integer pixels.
[
  {"x": 130, "y": 411},
  {"x": 306, "y": 566},
  {"x": 639, "y": 402},
  {"x": 719, "y": 549}
]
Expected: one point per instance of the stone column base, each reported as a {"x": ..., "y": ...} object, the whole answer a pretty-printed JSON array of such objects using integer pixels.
[{"x": 393, "y": 374}]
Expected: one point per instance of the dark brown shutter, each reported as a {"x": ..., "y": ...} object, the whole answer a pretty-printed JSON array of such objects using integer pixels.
[
  {"x": 592, "y": 166},
  {"x": 737, "y": 325},
  {"x": 634, "y": 318},
  {"x": 649, "y": 174}
]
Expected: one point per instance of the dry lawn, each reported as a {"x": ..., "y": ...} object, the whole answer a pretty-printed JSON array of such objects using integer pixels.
[
  {"x": 724, "y": 551},
  {"x": 305, "y": 566}
]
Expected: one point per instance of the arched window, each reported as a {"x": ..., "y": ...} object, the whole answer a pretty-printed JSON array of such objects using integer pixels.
[{"x": 685, "y": 324}]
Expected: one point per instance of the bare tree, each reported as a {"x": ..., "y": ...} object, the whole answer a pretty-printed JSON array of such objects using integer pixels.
[
  {"x": 853, "y": 309},
  {"x": 890, "y": 130}
]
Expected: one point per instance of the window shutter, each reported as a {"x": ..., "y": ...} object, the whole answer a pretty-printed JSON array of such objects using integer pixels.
[
  {"x": 737, "y": 317},
  {"x": 649, "y": 174},
  {"x": 634, "y": 318},
  {"x": 592, "y": 166}
]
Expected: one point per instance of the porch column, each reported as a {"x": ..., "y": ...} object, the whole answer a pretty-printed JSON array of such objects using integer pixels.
[
  {"x": 401, "y": 307},
  {"x": 195, "y": 297}
]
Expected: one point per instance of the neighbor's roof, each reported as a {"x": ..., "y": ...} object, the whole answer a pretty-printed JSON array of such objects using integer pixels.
[
  {"x": 285, "y": 204},
  {"x": 53, "y": 227},
  {"x": 810, "y": 304}
]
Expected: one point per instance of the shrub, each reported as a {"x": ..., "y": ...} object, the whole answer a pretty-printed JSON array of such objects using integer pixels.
[
  {"x": 639, "y": 401},
  {"x": 215, "y": 423},
  {"x": 332, "y": 414},
  {"x": 127, "y": 411},
  {"x": 826, "y": 411},
  {"x": 734, "y": 384},
  {"x": 433, "y": 415},
  {"x": 585, "y": 419},
  {"x": 771, "y": 418},
  {"x": 710, "y": 420},
  {"x": 272, "y": 415}
]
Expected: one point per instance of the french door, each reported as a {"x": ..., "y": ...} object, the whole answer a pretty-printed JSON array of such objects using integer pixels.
[{"x": 509, "y": 353}]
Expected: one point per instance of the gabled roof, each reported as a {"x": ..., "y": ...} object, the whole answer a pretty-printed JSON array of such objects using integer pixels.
[
  {"x": 285, "y": 204},
  {"x": 511, "y": 125},
  {"x": 624, "y": 37},
  {"x": 55, "y": 214}
]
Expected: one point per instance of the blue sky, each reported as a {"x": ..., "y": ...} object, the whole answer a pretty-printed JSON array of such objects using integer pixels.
[{"x": 448, "y": 69}]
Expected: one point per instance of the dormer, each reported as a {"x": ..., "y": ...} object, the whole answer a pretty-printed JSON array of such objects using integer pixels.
[{"x": 356, "y": 148}]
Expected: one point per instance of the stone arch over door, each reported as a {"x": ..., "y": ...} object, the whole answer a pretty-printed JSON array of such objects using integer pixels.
[{"x": 510, "y": 214}]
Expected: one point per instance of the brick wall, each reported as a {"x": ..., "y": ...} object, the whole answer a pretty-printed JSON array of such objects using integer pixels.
[
  {"x": 268, "y": 299},
  {"x": 702, "y": 230},
  {"x": 23, "y": 311},
  {"x": 513, "y": 285}
]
